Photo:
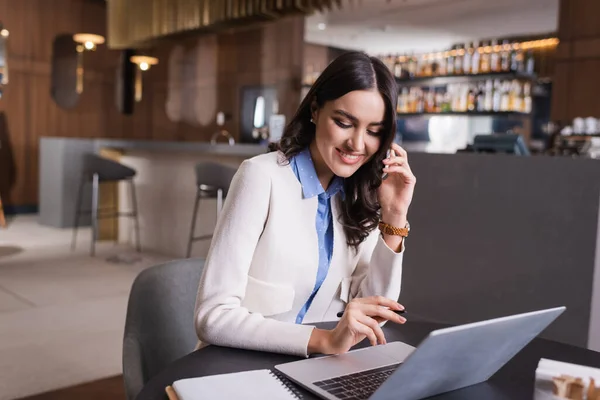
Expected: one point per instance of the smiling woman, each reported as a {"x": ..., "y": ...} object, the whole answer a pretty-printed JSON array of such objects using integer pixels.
[
  {"x": 348, "y": 120},
  {"x": 296, "y": 240}
]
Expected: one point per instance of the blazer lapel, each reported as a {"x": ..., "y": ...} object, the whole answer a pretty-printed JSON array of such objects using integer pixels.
[{"x": 340, "y": 267}]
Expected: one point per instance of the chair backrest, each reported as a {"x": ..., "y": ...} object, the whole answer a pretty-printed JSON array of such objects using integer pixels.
[
  {"x": 107, "y": 170},
  {"x": 214, "y": 174},
  {"x": 159, "y": 327}
]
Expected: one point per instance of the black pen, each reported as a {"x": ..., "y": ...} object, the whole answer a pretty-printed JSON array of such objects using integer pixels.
[{"x": 399, "y": 312}]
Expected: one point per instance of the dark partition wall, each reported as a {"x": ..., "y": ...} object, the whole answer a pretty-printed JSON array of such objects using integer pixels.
[{"x": 494, "y": 235}]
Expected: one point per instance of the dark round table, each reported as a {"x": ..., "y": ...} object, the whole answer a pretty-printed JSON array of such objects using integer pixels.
[{"x": 514, "y": 381}]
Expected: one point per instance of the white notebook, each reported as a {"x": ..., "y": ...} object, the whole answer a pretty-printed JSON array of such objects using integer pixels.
[{"x": 250, "y": 385}]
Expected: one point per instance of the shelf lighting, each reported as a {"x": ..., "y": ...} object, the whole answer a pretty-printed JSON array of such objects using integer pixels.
[{"x": 528, "y": 45}]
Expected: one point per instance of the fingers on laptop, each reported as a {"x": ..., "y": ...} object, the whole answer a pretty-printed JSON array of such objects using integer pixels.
[
  {"x": 375, "y": 334},
  {"x": 365, "y": 315}
]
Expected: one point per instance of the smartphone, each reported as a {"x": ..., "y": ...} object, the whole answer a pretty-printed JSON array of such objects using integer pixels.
[{"x": 387, "y": 155}]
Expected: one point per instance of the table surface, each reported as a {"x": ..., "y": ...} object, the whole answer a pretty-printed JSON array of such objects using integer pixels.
[{"x": 514, "y": 381}]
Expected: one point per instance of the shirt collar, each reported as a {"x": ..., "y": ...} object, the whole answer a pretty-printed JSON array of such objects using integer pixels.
[{"x": 307, "y": 175}]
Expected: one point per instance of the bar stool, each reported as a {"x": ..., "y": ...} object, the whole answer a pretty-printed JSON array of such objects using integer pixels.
[
  {"x": 213, "y": 181},
  {"x": 97, "y": 169}
]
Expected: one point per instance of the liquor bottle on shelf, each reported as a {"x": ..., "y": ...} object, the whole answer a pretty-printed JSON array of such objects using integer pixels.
[
  {"x": 450, "y": 61},
  {"x": 505, "y": 99},
  {"x": 403, "y": 100},
  {"x": 489, "y": 96},
  {"x": 505, "y": 57},
  {"x": 447, "y": 102},
  {"x": 497, "y": 96},
  {"x": 476, "y": 59},
  {"x": 430, "y": 101},
  {"x": 412, "y": 66},
  {"x": 389, "y": 62},
  {"x": 393, "y": 61},
  {"x": 465, "y": 98},
  {"x": 443, "y": 63},
  {"x": 527, "y": 101},
  {"x": 530, "y": 63},
  {"x": 495, "y": 65},
  {"x": 517, "y": 63},
  {"x": 425, "y": 65},
  {"x": 458, "y": 60},
  {"x": 468, "y": 58},
  {"x": 480, "y": 97},
  {"x": 397, "y": 70},
  {"x": 439, "y": 101},
  {"x": 420, "y": 103},
  {"x": 517, "y": 96},
  {"x": 471, "y": 98},
  {"x": 486, "y": 54},
  {"x": 419, "y": 66}
]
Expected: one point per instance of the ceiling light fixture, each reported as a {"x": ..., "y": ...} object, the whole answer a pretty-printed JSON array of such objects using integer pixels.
[
  {"x": 86, "y": 42},
  {"x": 322, "y": 26},
  {"x": 144, "y": 63}
]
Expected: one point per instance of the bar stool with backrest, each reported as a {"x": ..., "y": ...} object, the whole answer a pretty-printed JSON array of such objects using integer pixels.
[
  {"x": 213, "y": 181},
  {"x": 97, "y": 170}
]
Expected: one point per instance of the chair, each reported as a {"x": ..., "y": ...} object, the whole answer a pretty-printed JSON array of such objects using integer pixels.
[
  {"x": 213, "y": 181},
  {"x": 159, "y": 327},
  {"x": 97, "y": 169}
]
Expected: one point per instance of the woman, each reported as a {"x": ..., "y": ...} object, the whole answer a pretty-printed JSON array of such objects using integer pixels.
[{"x": 297, "y": 239}]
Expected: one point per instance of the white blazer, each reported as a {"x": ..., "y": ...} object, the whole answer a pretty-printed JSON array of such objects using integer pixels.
[{"x": 262, "y": 264}]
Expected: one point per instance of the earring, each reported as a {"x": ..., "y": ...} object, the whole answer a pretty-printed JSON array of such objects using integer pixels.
[{"x": 312, "y": 120}]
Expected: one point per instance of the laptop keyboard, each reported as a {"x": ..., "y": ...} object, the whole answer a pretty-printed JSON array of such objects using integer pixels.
[{"x": 358, "y": 386}]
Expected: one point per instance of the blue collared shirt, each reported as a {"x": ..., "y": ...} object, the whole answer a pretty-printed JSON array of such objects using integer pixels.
[{"x": 303, "y": 167}]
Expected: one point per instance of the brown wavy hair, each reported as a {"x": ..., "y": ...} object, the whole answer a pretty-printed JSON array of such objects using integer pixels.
[{"x": 347, "y": 73}]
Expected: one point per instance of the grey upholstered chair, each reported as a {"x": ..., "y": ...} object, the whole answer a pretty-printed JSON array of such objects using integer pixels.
[
  {"x": 159, "y": 327},
  {"x": 212, "y": 181},
  {"x": 98, "y": 169}
]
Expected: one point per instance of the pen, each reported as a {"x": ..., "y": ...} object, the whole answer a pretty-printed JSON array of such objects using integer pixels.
[
  {"x": 399, "y": 312},
  {"x": 171, "y": 394}
]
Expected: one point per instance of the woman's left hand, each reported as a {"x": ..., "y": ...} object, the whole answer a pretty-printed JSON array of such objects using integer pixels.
[{"x": 396, "y": 191}]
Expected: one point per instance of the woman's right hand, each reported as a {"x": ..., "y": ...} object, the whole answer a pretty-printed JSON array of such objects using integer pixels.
[{"x": 361, "y": 320}]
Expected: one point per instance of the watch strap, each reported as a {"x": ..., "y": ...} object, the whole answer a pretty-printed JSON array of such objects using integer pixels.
[{"x": 393, "y": 230}]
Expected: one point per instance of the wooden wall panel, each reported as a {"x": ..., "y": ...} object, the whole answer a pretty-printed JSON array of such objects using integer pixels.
[
  {"x": 560, "y": 92},
  {"x": 271, "y": 53},
  {"x": 583, "y": 18},
  {"x": 576, "y": 78},
  {"x": 584, "y": 99}
]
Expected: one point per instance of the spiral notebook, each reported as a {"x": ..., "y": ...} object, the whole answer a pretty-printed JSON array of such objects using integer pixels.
[{"x": 250, "y": 385}]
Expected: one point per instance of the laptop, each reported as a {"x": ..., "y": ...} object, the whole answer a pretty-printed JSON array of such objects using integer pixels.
[{"x": 447, "y": 359}]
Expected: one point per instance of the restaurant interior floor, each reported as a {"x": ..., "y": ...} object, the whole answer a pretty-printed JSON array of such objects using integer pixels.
[{"x": 62, "y": 313}]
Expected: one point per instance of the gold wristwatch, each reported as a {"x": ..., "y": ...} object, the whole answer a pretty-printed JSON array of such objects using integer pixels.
[{"x": 393, "y": 230}]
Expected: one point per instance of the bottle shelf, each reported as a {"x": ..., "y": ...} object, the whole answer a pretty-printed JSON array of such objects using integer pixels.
[
  {"x": 443, "y": 80},
  {"x": 465, "y": 114}
]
